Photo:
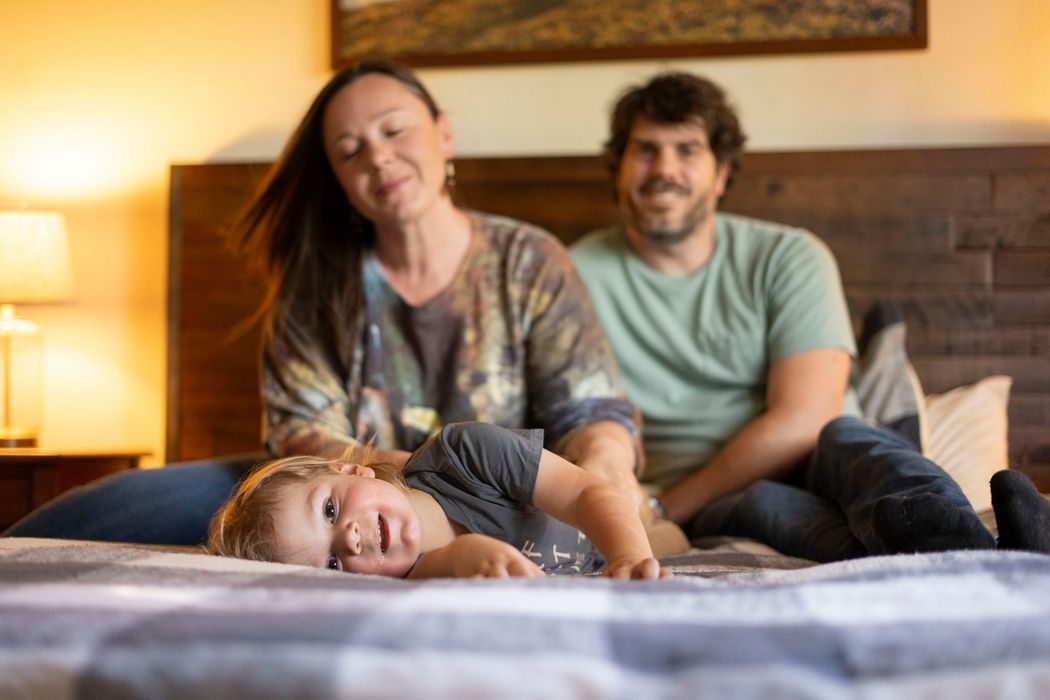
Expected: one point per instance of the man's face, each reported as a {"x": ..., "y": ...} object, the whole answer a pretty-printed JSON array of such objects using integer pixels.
[{"x": 669, "y": 182}]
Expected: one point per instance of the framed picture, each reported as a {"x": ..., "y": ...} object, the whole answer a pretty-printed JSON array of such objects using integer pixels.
[{"x": 472, "y": 32}]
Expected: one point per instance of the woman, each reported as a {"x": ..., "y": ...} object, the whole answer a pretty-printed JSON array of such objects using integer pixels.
[
  {"x": 390, "y": 313},
  {"x": 393, "y": 312}
]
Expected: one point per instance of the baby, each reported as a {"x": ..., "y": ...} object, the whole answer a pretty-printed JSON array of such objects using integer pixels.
[{"x": 475, "y": 500}]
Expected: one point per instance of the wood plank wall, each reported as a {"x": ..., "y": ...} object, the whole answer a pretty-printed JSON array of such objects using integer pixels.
[
  {"x": 960, "y": 238},
  {"x": 213, "y": 405}
]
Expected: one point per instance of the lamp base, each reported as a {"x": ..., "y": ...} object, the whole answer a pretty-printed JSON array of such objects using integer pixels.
[
  {"x": 16, "y": 436},
  {"x": 21, "y": 364},
  {"x": 11, "y": 436},
  {"x": 17, "y": 442}
]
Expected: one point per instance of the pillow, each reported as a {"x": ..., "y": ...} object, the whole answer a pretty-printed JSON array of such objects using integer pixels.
[
  {"x": 887, "y": 388},
  {"x": 966, "y": 434}
]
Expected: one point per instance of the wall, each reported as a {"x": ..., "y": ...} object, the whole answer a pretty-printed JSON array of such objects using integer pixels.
[{"x": 100, "y": 96}]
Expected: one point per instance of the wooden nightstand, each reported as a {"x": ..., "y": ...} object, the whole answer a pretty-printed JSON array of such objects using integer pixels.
[{"x": 29, "y": 477}]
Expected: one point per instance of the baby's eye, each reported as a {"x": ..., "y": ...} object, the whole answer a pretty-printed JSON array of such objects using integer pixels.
[
  {"x": 329, "y": 510},
  {"x": 332, "y": 562}
]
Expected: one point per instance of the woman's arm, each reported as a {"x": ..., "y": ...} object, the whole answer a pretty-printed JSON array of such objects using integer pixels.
[
  {"x": 306, "y": 405},
  {"x": 606, "y": 450},
  {"x": 574, "y": 388},
  {"x": 601, "y": 512}
]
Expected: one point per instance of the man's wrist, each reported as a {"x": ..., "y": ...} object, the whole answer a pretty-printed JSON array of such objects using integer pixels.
[{"x": 657, "y": 507}]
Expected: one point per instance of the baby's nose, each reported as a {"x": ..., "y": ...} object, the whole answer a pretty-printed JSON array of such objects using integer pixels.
[{"x": 353, "y": 537}]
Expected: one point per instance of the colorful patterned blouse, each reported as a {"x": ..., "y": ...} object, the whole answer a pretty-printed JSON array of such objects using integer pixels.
[{"x": 512, "y": 341}]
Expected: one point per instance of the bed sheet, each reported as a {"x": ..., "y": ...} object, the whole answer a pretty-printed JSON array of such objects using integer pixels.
[{"x": 93, "y": 620}]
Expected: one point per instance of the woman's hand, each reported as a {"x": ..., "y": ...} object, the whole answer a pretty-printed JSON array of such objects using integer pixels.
[
  {"x": 612, "y": 472},
  {"x": 606, "y": 450},
  {"x": 475, "y": 556},
  {"x": 648, "y": 568}
]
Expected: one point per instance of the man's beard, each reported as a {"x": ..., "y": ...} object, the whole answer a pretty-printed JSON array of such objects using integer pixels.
[{"x": 663, "y": 234}]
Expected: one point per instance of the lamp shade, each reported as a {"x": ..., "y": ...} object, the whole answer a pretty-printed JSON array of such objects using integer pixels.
[{"x": 34, "y": 258}]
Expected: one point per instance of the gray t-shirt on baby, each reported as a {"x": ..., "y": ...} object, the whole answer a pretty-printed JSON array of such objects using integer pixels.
[{"x": 484, "y": 476}]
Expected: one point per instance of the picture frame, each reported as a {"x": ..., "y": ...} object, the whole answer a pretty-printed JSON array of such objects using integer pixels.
[{"x": 483, "y": 32}]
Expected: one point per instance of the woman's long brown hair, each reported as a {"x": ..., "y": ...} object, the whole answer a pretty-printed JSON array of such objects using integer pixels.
[{"x": 307, "y": 239}]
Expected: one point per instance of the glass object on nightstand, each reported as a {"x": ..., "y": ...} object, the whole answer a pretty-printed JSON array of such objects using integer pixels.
[
  {"x": 21, "y": 376},
  {"x": 34, "y": 269}
]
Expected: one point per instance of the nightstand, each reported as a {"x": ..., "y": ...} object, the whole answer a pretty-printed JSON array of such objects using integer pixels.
[{"x": 29, "y": 477}]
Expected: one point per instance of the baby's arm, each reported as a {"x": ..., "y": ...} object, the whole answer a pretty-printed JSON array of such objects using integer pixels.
[
  {"x": 603, "y": 513},
  {"x": 474, "y": 556}
]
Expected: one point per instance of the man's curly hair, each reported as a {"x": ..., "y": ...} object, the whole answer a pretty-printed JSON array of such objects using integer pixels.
[{"x": 676, "y": 98}]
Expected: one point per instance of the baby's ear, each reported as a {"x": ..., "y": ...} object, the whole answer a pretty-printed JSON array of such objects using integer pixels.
[{"x": 356, "y": 470}]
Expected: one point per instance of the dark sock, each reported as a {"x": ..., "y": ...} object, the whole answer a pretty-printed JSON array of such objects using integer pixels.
[
  {"x": 1021, "y": 512},
  {"x": 927, "y": 522}
]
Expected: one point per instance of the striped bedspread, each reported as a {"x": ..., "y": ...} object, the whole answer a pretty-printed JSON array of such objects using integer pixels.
[{"x": 91, "y": 620}]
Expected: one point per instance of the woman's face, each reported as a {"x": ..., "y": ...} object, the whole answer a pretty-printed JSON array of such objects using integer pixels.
[{"x": 386, "y": 150}]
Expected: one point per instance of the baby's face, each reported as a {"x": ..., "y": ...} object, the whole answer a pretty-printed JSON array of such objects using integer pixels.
[{"x": 348, "y": 521}]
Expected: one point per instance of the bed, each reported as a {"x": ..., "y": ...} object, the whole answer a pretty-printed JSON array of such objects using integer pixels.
[
  {"x": 82, "y": 620},
  {"x": 957, "y": 238}
]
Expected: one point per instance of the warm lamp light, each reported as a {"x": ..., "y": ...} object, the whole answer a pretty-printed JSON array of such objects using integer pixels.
[{"x": 34, "y": 269}]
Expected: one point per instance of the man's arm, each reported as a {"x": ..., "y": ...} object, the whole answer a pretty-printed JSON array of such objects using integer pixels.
[{"x": 804, "y": 392}]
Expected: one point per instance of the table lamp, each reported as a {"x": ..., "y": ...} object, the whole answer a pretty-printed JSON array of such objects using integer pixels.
[{"x": 34, "y": 269}]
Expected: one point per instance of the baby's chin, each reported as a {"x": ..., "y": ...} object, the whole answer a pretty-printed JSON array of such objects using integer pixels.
[
  {"x": 394, "y": 567},
  {"x": 396, "y": 572},
  {"x": 400, "y": 567}
]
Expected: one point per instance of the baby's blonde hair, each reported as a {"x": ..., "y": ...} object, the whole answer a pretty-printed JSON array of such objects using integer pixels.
[{"x": 244, "y": 526}]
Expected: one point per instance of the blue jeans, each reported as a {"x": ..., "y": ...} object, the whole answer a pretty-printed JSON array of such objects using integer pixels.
[
  {"x": 827, "y": 517},
  {"x": 171, "y": 505}
]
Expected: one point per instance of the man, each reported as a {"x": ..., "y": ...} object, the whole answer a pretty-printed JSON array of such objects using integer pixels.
[{"x": 734, "y": 340}]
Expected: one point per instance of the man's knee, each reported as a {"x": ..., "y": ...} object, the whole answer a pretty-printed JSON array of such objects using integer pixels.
[
  {"x": 838, "y": 429},
  {"x": 761, "y": 496}
]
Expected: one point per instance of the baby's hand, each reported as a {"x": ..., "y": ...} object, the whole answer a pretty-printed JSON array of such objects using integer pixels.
[
  {"x": 478, "y": 556},
  {"x": 645, "y": 569}
]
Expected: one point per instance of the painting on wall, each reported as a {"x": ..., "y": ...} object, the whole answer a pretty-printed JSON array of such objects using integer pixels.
[{"x": 473, "y": 32}]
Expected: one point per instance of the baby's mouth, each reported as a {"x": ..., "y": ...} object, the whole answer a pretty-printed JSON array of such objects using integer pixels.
[{"x": 384, "y": 535}]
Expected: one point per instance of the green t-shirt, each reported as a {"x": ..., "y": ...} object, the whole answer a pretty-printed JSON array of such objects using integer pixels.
[{"x": 695, "y": 351}]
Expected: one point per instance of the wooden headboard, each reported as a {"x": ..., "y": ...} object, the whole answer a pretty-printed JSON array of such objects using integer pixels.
[{"x": 960, "y": 238}]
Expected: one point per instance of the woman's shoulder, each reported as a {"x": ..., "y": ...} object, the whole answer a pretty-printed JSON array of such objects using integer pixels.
[{"x": 506, "y": 233}]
